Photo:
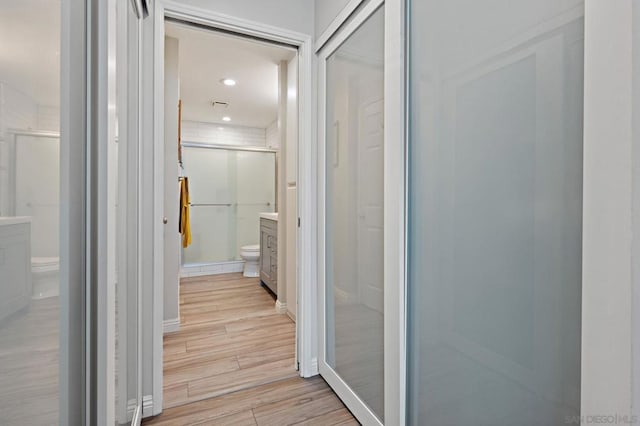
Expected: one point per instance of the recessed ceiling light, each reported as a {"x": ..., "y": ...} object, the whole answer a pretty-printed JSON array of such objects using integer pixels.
[
  {"x": 226, "y": 118},
  {"x": 228, "y": 82}
]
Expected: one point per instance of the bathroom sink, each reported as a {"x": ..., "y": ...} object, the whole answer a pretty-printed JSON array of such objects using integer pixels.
[
  {"x": 270, "y": 216},
  {"x": 13, "y": 220}
]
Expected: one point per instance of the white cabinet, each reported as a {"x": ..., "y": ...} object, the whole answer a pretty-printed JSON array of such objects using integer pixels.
[
  {"x": 269, "y": 253},
  {"x": 15, "y": 266}
]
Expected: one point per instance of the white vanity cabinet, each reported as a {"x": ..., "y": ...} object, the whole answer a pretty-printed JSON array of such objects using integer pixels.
[
  {"x": 269, "y": 253},
  {"x": 15, "y": 264}
]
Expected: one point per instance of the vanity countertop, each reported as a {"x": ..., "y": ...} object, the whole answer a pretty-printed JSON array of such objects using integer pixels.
[
  {"x": 14, "y": 220},
  {"x": 270, "y": 216}
]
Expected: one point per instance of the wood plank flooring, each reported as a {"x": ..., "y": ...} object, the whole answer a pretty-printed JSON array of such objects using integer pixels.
[
  {"x": 29, "y": 360},
  {"x": 232, "y": 362}
]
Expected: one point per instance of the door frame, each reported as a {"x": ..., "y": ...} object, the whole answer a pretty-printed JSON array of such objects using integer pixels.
[
  {"x": 395, "y": 177},
  {"x": 126, "y": 32},
  {"x": 75, "y": 312},
  {"x": 153, "y": 130},
  {"x": 610, "y": 374},
  {"x": 86, "y": 369}
]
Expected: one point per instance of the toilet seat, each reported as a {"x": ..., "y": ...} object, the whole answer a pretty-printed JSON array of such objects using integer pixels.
[{"x": 45, "y": 264}]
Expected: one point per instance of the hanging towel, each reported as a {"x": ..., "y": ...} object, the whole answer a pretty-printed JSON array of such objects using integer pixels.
[{"x": 185, "y": 222}]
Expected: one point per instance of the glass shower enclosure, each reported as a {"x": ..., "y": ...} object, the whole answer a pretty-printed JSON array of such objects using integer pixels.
[{"x": 229, "y": 188}]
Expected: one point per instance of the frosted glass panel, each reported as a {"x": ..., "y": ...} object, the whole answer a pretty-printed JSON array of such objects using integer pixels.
[
  {"x": 34, "y": 202},
  {"x": 229, "y": 189},
  {"x": 354, "y": 212},
  {"x": 495, "y": 212},
  {"x": 37, "y": 193}
]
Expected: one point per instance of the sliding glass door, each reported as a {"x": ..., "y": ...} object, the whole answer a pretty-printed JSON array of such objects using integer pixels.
[
  {"x": 495, "y": 219},
  {"x": 228, "y": 187},
  {"x": 352, "y": 356},
  {"x": 53, "y": 129}
]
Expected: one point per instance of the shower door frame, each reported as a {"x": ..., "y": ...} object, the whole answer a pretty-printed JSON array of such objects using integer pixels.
[
  {"x": 395, "y": 187},
  {"x": 264, "y": 150}
]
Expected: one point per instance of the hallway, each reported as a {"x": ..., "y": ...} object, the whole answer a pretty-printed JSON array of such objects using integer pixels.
[{"x": 232, "y": 362}]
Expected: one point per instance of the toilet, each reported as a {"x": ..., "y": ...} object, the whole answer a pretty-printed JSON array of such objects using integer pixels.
[
  {"x": 45, "y": 277},
  {"x": 251, "y": 255}
]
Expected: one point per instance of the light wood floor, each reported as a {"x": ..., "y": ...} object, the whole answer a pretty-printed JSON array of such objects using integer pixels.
[
  {"x": 232, "y": 362},
  {"x": 29, "y": 365}
]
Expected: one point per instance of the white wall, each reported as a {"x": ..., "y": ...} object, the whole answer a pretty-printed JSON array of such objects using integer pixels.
[
  {"x": 17, "y": 110},
  {"x": 272, "y": 135},
  {"x": 294, "y": 15},
  {"x": 48, "y": 118},
  {"x": 325, "y": 12},
  {"x": 222, "y": 134},
  {"x": 171, "y": 192}
]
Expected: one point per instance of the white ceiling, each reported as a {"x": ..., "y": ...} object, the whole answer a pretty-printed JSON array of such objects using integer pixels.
[
  {"x": 30, "y": 48},
  {"x": 206, "y": 57}
]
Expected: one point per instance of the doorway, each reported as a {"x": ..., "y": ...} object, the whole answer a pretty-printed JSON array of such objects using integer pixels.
[
  {"x": 231, "y": 130},
  {"x": 304, "y": 210}
]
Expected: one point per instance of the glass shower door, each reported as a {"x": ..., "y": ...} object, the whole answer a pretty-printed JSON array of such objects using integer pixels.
[
  {"x": 255, "y": 193},
  {"x": 212, "y": 176},
  {"x": 229, "y": 188}
]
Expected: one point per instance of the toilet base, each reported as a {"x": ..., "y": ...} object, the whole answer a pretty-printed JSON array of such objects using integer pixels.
[
  {"x": 45, "y": 285},
  {"x": 45, "y": 294},
  {"x": 251, "y": 269}
]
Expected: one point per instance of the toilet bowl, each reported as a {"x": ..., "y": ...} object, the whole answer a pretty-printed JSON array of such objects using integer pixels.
[
  {"x": 45, "y": 277},
  {"x": 251, "y": 255}
]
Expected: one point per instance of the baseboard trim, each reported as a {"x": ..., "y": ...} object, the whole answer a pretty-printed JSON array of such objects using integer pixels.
[
  {"x": 314, "y": 367},
  {"x": 291, "y": 315},
  {"x": 147, "y": 406},
  {"x": 171, "y": 325},
  {"x": 281, "y": 308},
  {"x": 201, "y": 269}
]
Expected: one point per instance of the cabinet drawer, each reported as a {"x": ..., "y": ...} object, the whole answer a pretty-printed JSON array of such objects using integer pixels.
[
  {"x": 274, "y": 274},
  {"x": 269, "y": 224}
]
